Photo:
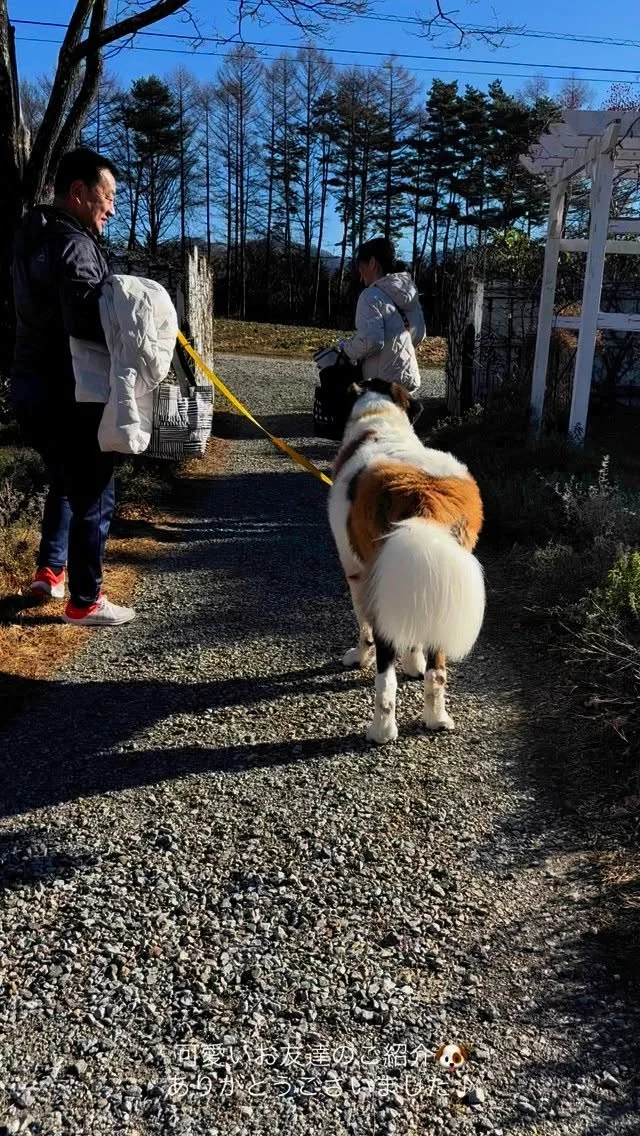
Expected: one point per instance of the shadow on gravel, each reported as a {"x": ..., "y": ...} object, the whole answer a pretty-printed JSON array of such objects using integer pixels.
[
  {"x": 26, "y": 858},
  {"x": 297, "y": 429},
  {"x": 227, "y": 424},
  {"x": 81, "y": 745},
  {"x": 569, "y": 988},
  {"x": 78, "y": 738}
]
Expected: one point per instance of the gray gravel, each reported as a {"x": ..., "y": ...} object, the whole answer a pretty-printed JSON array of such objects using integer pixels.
[{"x": 222, "y": 912}]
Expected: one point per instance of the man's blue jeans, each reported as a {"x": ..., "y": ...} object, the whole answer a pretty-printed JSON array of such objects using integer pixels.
[{"x": 81, "y": 495}]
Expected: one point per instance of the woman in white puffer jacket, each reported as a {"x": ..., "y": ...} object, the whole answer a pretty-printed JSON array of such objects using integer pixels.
[{"x": 389, "y": 318}]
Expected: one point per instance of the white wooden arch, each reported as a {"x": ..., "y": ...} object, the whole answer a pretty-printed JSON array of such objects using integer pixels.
[{"x": 595, "y": 144}]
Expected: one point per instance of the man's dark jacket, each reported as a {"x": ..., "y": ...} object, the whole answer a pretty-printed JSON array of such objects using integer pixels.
[{"x": 58, "y": 271}]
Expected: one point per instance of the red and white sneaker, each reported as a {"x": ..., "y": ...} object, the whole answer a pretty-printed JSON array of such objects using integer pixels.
[
  {"x": 47, "y": 584},
  {"x": 102, "y": 613}
]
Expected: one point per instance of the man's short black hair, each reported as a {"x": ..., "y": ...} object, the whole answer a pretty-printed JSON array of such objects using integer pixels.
[{"x": 81, "y": 165}]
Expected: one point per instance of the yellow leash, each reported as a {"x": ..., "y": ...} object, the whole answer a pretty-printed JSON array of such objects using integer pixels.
[{"x": 284, "y": 446}]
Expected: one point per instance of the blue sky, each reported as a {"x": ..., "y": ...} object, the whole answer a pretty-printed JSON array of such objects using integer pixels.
[
  {"x": 367, "y": 41},
  {"x": 552, "y": 57}
]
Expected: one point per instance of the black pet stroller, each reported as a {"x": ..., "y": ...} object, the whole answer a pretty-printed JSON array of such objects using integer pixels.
[{"x": 332, "y": 402}]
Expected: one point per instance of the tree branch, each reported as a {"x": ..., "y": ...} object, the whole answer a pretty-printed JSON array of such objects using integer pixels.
[
  {"x": 40, "y": 155},
  {"x": 127, "y": 27},
  {"x": 308, "y": 15},
  {"x": 84, "y": 98},
  {"x": 446, "y": 21}
]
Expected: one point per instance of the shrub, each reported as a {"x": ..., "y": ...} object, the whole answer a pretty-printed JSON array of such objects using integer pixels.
[
  {"x": 600, "y": 508},
  {"x": 620, "y": 593},
  {"x": 140, "y": 480}
]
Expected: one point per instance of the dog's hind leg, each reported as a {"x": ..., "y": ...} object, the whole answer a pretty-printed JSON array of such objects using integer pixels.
[
  {"x": 362, "y": 655},
  {"x": 383, "y": 727},
  {"x": 435, "y": 680}
]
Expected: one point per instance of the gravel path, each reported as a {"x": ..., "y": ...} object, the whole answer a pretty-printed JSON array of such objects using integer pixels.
[{"x": 223, "y": 913}]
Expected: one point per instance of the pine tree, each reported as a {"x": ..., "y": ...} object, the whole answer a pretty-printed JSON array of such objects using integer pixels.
[
  {"x": 442, "y": 143},
  {"x": 513, "y": 128},
  {"x": 417, "y": 191},
  {"x": 470, "y": 183},
  {"x": 357, "y": 131},
  {"x": 389, "y": 209},
  {"x": 149, "y": 142}
]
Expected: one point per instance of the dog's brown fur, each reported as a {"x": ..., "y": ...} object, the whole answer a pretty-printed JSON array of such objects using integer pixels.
[{"x": 395, "y": 491}]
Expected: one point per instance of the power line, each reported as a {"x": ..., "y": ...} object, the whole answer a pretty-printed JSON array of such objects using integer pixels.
[
  {"x": 509, "y": 33},
  {"x": 336, "y": 63},
  {"x": 349, "y": 51},
  {"x": 472, "y": 29}
]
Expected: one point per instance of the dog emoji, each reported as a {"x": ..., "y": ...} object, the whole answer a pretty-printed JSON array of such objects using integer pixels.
[{"x": 452, "y": 1057}]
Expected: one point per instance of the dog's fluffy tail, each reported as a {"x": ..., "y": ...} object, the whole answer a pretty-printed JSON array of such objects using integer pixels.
[{"x": 424, "y": 589}]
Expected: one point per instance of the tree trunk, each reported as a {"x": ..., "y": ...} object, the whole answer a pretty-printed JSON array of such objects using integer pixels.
[
  {"x": 308, "y": 204},
  {"x": 13, "y": 156},
  {"x": 389, "y": 163},
  {"x": 323, "y": 205},
  {"x": 207, "y": 178},
  {"x": 28, "y": 165},
  {"x": 229, "y": 207},
  {"x": 183, "y": 185},
  {"x": 267, "y": 266},
  {"x": 242, "y": 199},
  {"x": 135, "y": 208}
]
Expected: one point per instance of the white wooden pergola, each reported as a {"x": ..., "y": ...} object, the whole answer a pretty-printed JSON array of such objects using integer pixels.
[{"x": 595, "y": 144}]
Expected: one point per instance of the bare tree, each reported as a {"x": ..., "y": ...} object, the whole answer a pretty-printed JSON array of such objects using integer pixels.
[
  {"x": 536, "y": 88},
  {"x": 206, "y": 101},
  {"x": 575, "y": 93},
  {"x": 285, "y": 156},
  {"x": 186, "y": 92},
  {"x": 79, "y": 68},
  {"x": 28, "y": 165},
  {"x": 315, "y": 75},
  {"x": 236, "y": 101}
]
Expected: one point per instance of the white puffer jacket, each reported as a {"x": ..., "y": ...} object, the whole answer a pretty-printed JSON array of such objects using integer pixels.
[
  {"x": 383, "y": 345},
  {"x": 140, "y": 327}
]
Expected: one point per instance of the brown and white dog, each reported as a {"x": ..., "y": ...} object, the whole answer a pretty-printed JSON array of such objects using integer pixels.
[{"x": 405, "y": 520}]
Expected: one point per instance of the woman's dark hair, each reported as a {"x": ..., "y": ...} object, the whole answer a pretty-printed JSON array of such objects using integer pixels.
[
  {"x": 381, "y": 250},
  {"x": 81, "y": 165}
]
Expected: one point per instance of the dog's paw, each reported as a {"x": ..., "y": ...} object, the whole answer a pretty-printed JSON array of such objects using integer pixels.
[
  {"x": 382, "y": 732},
  {"x": 413, "y": 663},
  {"x": 441, "y": 721},
  {"x": 355, "y": 657}
]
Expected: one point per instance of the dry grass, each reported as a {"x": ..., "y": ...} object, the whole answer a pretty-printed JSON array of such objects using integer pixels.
[
  {"x": 243, "y": 337},
  {"x": 37, "y": 643},
  {"x": 18, "y": 547},
  {"x": 201, "y": 469}
]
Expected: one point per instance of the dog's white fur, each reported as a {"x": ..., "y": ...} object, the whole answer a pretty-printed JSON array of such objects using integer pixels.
[{"x": 422, "y": 589}]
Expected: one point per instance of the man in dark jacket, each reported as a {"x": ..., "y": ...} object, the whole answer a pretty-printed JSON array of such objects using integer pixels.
[{"x": 58, "y": 271}]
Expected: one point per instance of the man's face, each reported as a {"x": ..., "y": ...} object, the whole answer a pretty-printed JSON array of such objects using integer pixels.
[{"x": 93, "y": 205}]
